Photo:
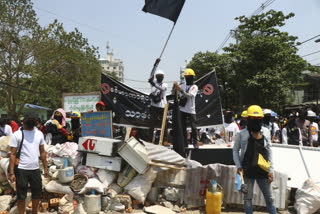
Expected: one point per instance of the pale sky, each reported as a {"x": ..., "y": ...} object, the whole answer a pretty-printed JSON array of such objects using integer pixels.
[{"x": 137, "y": 38}]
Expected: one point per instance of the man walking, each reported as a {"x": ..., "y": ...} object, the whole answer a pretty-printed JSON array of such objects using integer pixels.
[
  {"x": 304, "y": 126},
  {"x": 26, "y": 145},
  {"x": 253, "y": 142}
]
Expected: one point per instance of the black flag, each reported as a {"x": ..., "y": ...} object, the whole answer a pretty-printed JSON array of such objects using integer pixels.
[
  {"x": 169, "y": 9},
  {"x": 177, "y": 130}
]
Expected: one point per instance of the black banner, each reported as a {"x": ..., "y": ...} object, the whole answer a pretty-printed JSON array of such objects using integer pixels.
[{"x": 131, "y": 107}]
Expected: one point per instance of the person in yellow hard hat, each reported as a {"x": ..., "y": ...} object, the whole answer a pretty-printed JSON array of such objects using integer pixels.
[
  {"x": 187, "y": 105},
  {"x": 243, "y": 121},
  {"x": 75, "y": 127},
  {"x": 253, "y": 144}
]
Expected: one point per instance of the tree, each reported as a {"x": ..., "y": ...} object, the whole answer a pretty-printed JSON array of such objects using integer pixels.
[
  {"x": 38, "y": 64},
  {"x": 265, "y": 61}
]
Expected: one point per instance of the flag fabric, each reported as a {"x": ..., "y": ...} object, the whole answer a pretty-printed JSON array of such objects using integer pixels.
[
  {"x": 169, "y": 9},
  {"x": 177, "y": 129}
]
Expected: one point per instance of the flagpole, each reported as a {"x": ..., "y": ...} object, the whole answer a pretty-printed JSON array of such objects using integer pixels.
[{"x": 163, "y": 49}]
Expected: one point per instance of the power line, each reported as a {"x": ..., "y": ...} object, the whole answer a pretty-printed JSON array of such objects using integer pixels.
[
  {"x": 309, "y": 39},
  {"x": 19, "y": 87},
  {"x": 256, "y": 12},
  {"x": 311, "y": 53},
  {"x": 314, "y": 60}
]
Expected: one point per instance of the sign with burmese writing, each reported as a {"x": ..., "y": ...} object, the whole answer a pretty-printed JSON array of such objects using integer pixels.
[
  {"x": 80, "y": 102},
  {"x": 97, "y": 124}
]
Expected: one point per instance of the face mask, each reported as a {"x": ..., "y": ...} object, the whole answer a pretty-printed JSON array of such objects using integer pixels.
[
  {"x": 267, "y": 119},
  {"x": 58, "y": 118},
  {"x": 254, "y": 125},
  {"x": 291, "y": 123},
  {"x": 75, "y": 123},
  {"x": 159, "y": 78},
  {"x": 189, "y": 80},
  {"x": 29, "y": 124},
  {"x": 243, "y": 123},
  {"x": 228, "y": 119}
]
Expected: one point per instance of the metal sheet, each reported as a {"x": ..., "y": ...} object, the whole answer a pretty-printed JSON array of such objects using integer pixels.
[
  {"x": 197, "y": 180},
  {"x": 288, "y": 159}
]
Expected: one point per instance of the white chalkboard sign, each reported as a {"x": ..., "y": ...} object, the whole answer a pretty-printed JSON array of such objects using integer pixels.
[{"x": 80, "y": 102}]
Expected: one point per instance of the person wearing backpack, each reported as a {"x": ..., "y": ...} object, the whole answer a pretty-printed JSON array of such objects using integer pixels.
[
  {"x": 291, "y": 133},
  {"x": 187, "y": 105},
  {"x": 158, "y": 102},
  {"x": 27, "y": 144},
  {"x": 253, "y": 158}
]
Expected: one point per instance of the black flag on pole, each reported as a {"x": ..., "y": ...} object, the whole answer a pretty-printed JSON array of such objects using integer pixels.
[
  {"x": 177, "y": 129},
  {"x": 169, "y": 9}
]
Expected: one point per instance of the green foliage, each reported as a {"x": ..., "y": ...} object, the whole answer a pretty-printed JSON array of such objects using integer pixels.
[
  {"x": 48, "y": 61},
  {"x": 262, "y": 67}
]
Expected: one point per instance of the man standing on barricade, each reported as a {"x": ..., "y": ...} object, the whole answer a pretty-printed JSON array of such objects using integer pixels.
[
  {"x": 187, "y": 93},
  {"x": 158, "y": 102}
]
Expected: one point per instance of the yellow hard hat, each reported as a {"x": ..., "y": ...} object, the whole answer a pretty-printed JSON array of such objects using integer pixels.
[
  {"x": 255, "y": 111},
  {"x": 244, "y": 114},
  {"x": 189, "y": 72},
  {"x": 75, "y": 115}
]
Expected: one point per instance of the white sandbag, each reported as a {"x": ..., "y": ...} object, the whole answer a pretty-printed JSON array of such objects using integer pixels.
[
  {"x": 307, "y": 198},
  {"x": 89, "y": 171},
  {"x": 5, "y": 201},
  {"x": 58, "y": 161},
  {"x": 70, "y": 150},
  {"x": 106, "y": 177},
  {"x": 93, "y": 183},
  {"x": 5, "y": 143},
  {"x": 140, "y": 186},
  {"x": 66, "y": 204},
  {"x": 55, "y": 187},
  {"x": 79, "y": 209},
  {"x": 4, "y": 164},
  {"x": 3, "y": 175}
]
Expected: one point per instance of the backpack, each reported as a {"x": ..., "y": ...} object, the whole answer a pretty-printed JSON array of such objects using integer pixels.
[{"x": 293, "y": 135}]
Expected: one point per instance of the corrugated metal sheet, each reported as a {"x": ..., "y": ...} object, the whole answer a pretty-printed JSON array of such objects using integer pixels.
[
  {"x": 197, "y": 180},
  {"x": 172, "y": 178}
]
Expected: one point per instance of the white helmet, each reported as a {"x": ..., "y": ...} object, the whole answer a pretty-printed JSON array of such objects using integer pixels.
[
  {"x": 266, "y": 111},
  {"x": 311, "y": 114},
  {"x": 159, "y": 72}
]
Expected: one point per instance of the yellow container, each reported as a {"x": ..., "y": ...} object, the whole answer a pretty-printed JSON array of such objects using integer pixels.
[{"x": 213, "y": 202}]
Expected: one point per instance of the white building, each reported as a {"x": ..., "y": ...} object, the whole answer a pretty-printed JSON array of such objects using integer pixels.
[{"x": 111, "y": 65}]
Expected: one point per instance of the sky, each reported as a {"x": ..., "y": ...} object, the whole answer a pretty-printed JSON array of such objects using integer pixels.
[{"x": 137, "y": 38}]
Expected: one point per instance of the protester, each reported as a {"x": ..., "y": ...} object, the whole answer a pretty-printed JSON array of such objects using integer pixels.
[
  {"x": 304, "y": 126},
  {"x": 13, "y": 124},
  {"x": 314, "y": 127},
  {"x": 187, "y": 105},
  {"x": 267, "y": 123},
  {"x": 26, "y": 146},
  {"x": 158, "y": 102},
  {"x": 75, "y": 126},
  {"x": 291, "y": 133},
  {"x": 56, "y": 127},
  {"x": 231, "y": 127},
  {"x": 100, "y": 106},
  {"x": 5, "y": 129},
  {"x": 243, "y": 121},
  {"x": 252, "y": 142}
]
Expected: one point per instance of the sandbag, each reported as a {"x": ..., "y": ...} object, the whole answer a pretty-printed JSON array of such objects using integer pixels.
[
  {"x": 79, "y": 209},
  {"x": 90, "y": 172},
  {"x": 55, "y": 187},
  {"x": 5, "y": 143},
  {"x": 307, "y": 198},
  {"x": 140, "y": 186},
  {"x": 93, "y": 183},
  {"x": 66, "y": 204},
  {"x": 5, "y": 201},
  {"x": 106, "y": 177}
]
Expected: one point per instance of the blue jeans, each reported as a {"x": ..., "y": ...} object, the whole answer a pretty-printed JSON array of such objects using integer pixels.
[{"x": 265, "y": 188}]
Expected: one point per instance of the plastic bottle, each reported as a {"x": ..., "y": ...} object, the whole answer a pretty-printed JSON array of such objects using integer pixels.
[{"x": 213, "y": 199}]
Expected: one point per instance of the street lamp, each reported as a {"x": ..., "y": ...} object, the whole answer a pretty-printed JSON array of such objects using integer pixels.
[{"x": 318, "y": 40}]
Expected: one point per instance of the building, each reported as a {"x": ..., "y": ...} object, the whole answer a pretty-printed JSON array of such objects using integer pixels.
[{"x": 112, "y": 66}]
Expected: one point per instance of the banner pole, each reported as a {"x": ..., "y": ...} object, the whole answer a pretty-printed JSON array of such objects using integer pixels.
[
  {"x": 163, "y": 49},
  {"x": 163, "y": 125}
]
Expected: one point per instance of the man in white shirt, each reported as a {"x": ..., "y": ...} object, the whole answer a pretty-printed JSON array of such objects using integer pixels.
[
  {"x": 187, "y": 94},
  {"x": 291, "y": 133},
  {"x": 158, "y": 102},
  {"x": 314, "y": 127},
  {"x": 231, "y": 127},
  {"x": 26, "y": 146},
  {"x": 5, "y": 129}
]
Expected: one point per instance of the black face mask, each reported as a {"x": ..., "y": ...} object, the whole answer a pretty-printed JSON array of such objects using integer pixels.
[
  {"x": 243, "y": 123},
  {"x": 159, "y": 78},
  {"x": 228, "y": 119},
  {"x": 267, "y": 119},
  {"x": 254, "y": 125},
  {"x": 29, "y": 124},
  {"x": 189, "y": 80},
  {"x": 291, "y": 123},
  {"x": 75, "y": 123},
  {"x": 58, "y": 118}
]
